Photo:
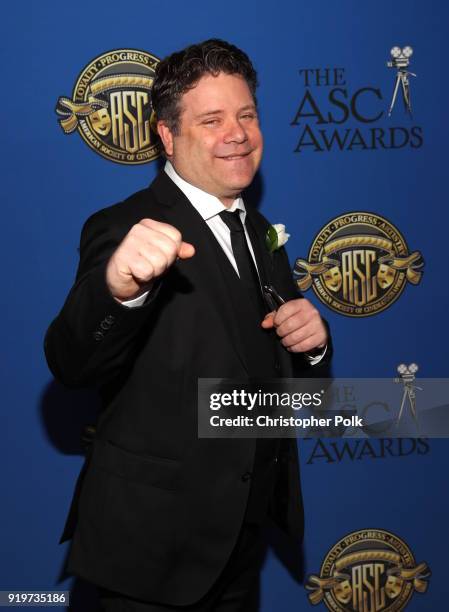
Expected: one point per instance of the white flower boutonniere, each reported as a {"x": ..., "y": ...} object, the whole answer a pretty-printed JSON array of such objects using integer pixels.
[{"x": 276, "y": 237}]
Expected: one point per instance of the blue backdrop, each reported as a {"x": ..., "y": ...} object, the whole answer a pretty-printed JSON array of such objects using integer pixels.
[{"x": 53, "y": 182}]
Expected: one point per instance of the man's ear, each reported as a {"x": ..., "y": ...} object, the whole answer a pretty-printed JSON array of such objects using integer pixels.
[{"x": 166, "y": 135}]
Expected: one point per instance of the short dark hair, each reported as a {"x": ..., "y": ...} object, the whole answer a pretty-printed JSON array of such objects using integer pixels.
[{"x": 182, "y": 70}]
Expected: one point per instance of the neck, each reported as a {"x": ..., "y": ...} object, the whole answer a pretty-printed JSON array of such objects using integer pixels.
[{"x": 228, "y": 201}]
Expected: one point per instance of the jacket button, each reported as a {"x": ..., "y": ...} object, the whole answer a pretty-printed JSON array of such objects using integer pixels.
[
  {"x": 246, "y": 476},
  {"x": 98, "y": 335}
]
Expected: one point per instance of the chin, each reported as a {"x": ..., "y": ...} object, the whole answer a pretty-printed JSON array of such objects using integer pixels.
[
  {"x": 235, "y": 189},
  {"x": 239, "y": 181}
]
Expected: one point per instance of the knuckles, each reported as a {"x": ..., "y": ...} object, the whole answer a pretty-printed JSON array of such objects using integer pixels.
[
  {"x": 176, "y": 235},
  {"x": 143, "y": 239},
  {"x": 142, "y": 271},
  {"x": 159, "y": 260},
  {"x": 164, "y": 229}
]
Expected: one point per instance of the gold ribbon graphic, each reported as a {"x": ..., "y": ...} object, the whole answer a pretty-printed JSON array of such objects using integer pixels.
[
  {"x": 396, "y": 575},
  {"x": 120, "y": 81},
  {"x": 72, "y": 111},
  {"x": 414, "y": 574},
  {"x": 312, "y": 269},
  {"x": 318, "y": 586},
  {"x": 304, "y": 271},
  {"x": 410, "y": 264}
]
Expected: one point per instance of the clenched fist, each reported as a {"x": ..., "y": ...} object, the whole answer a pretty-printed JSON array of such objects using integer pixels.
[
  {"x": 299, "y": 325},
  {"x": 146, "y": 252}
]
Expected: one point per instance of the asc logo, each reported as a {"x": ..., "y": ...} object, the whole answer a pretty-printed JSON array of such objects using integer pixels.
[
  {"x": 358, "y": 265},
  {"x": 368, "y": 571},
  {"x": 111, "y": 107}
]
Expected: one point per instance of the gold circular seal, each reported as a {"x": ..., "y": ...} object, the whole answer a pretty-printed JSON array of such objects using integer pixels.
[
  {"x": 358, "y": 264},
  {"x": 368, "y": 571},
  {"x": 111, "y": 107}
]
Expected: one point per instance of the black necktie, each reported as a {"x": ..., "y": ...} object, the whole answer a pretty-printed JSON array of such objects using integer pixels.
[{"x": 245, "y": 262}]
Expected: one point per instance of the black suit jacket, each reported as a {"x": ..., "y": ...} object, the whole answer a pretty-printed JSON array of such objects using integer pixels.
[{"x": 157, "y": 510}]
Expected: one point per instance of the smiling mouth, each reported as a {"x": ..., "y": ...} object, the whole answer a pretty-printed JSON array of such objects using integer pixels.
[{"x": 235, "y": 157}]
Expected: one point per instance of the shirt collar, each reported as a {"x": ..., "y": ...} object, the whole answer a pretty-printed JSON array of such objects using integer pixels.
[{"x": 207, "y": 205}]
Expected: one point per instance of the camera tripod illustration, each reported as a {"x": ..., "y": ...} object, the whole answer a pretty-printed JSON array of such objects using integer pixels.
[
  {"x": 401, "y": 61},
  {"x": 407, "y": 378}
]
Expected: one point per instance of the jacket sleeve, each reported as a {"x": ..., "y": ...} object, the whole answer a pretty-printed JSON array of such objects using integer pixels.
[
  {"x": 94, "y": 336},
  {"x": 302, "y": 368}
]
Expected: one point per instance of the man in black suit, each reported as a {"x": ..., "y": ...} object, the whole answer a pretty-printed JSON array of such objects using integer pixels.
[{"x": 168, "y": 290}]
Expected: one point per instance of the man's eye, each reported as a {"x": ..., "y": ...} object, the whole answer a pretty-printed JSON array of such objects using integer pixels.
[
  {"x": 210, "y": 122},
  {"x": 248, "y": 116}
]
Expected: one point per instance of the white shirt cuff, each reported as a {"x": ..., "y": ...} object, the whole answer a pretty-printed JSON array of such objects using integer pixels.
[
  {"x": 316, "y": 358},
  {"x": 138, "y": 301}
]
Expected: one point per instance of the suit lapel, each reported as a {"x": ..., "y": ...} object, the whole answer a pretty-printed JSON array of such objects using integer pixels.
[
  {"x": 205, "y": 268},
  {"x": 257, "y": 228}
]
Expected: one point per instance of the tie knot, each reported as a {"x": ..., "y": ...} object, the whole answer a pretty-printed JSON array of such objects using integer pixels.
[{"x": 232, "y": 220}]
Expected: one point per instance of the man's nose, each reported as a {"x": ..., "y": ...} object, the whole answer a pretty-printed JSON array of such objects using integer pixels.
[{"x": 235, "y": 132}]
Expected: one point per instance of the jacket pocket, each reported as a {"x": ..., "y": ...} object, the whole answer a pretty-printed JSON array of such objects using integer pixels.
[{"x": 159, "y": 472}]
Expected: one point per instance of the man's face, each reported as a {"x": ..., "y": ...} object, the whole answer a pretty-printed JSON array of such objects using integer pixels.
[{"x": 219, "y": 145}]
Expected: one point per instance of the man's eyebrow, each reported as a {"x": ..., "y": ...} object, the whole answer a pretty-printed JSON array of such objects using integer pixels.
[
  {"x": 220, "y": 111},
  {"x": 249, "y": 107}
]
